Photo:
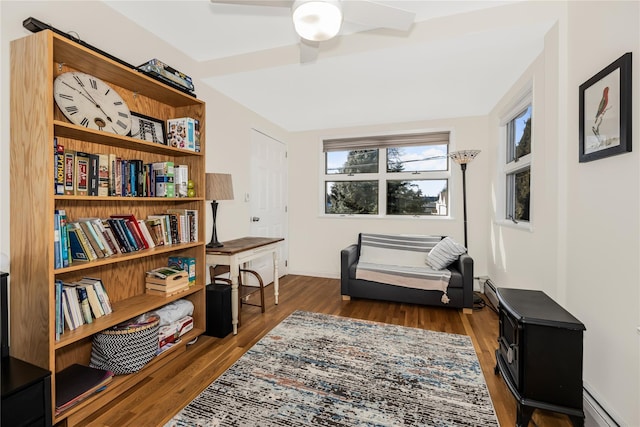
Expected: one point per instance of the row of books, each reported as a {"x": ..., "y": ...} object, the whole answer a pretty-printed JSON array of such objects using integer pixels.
[
  {"x": 80, "y": 302},
  {"x": 88, "y": 174},
  {"x": 89, "y": 239}
]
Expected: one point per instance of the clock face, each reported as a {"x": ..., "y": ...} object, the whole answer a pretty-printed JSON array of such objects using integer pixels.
[{"x": 88, "y": 101}]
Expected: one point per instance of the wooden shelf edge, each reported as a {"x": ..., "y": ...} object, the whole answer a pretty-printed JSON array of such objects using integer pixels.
[
  {"x": 121, "y": 383},
  {"x": 68, "y": 130},
  {"x": 122, "y": 311},
  {"x": 130, "y": 199},
  {"x": 113, "y": 259}
]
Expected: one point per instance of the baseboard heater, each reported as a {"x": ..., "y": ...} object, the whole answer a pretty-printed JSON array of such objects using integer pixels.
[
  {"x": 489, "y": 289},
  {"x": 595, "y": 414}
]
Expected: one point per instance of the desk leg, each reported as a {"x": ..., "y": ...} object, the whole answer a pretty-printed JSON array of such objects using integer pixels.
[
  {"x": 234, "y": 271},
  {"x": 276, "y": 281}
]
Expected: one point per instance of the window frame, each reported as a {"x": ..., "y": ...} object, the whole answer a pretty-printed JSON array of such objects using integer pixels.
[
  {"x": 509, "y": 168},
  {"x": 382, "y": 177}
]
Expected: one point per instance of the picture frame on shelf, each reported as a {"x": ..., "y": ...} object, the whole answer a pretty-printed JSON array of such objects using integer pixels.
[
  {"x": 605, "y": 112},
  {"x": 147, "y": 128}
]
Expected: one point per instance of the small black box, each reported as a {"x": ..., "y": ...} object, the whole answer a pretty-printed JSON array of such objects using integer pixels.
[{"x": 218, "y": 310}]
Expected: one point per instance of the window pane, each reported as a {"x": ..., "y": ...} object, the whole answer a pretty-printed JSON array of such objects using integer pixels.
[
  {"x": 417, "y": 159},
  {"x": 417, "y": 197},
  {"x": 351, "y": 162},
  {"x": 518, "y": 192},
  {"x": 351, "y": 197},
  {"x": 519, "y": 136}
]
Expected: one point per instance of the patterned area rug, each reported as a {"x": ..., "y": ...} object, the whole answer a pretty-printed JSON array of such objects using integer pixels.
[{"x": 316, "y": 369}]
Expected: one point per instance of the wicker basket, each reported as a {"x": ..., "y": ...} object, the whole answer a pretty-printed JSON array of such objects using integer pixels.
[{"x": 126, "y": 348}]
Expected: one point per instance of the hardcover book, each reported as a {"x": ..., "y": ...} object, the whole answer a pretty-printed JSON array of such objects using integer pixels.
[
  {"x": 82, "y": 174},
  {"x": 77, "y": 382}
]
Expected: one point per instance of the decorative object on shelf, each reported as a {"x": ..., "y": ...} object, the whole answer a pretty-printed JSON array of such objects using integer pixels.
[
  {"x": 191, "y": 188},
  {"x": 128, "y": 347},
  {"x": 605, "y": 112},
  {"x": 218, "y": 187},
  {"x": 462, "y": 158},
  {"x": 88, "y": 101},
  {"x": 147, "y": 128}
]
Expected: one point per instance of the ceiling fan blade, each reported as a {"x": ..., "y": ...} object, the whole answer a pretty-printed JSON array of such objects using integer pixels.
[
  {"x": 274, "y": 3},
  {"x": 308, "y": 51},
  {"x": 377, "y": 15}
]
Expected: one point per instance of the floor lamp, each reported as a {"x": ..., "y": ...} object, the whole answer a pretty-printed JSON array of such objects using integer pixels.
[
  {"x": 218, "y": 187},
  {"x": 462, "y": 158}
]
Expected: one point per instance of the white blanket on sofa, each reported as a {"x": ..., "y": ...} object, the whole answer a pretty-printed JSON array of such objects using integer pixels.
[{"x": 401, "y": 260}]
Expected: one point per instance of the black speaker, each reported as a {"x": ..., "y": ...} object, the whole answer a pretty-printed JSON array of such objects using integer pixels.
[{"x": 218, "y": 310}]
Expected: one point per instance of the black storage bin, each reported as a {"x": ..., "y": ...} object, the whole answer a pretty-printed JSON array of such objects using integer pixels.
[{"x": 218, "y": 310}]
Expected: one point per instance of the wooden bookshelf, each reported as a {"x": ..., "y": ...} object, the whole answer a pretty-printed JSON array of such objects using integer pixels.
[{"x": 36, "y": 61}]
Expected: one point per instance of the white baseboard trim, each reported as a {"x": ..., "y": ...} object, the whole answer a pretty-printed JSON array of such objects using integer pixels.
[{"x": 595, "y": 414}]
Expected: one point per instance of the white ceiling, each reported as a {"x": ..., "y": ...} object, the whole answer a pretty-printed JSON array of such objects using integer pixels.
[{"x": 365, "y": 76}]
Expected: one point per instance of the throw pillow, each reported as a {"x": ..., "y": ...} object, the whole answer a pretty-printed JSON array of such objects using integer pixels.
[{"x": 444, "y": 253}]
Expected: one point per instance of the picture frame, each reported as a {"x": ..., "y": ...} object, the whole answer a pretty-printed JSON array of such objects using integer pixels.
[
  {"x": 147, "y": 128},
  {"x": 605, "y": 112}
]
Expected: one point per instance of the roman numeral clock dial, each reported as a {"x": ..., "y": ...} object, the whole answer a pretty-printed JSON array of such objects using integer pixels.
[{"x": 88, "y": 101}]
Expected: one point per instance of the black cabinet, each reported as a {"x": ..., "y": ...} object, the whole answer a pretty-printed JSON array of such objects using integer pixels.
[
  {"x": 26, "y": 394},
  {"x": 540, "y": 354}
]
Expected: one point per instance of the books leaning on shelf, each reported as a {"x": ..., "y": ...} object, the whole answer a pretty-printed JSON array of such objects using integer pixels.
[
  {"x": 80, "y": 302},
  {"x": 77, "y": 382}
]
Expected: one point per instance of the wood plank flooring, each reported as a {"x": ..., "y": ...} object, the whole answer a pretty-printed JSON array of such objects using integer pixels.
[{"x": 163, "y": 394}]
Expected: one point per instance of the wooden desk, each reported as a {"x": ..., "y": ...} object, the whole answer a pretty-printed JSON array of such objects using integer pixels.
[{"x": 237, "y": 252}]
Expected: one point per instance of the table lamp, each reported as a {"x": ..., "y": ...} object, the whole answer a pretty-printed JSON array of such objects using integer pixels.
[{"x": 218, "y": 187}]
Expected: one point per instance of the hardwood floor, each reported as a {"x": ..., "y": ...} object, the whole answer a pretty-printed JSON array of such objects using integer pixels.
[{"x": 157, "y": 399}]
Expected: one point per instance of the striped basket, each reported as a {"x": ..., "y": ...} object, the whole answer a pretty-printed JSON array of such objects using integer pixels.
[{"x": 127, "y": 348}]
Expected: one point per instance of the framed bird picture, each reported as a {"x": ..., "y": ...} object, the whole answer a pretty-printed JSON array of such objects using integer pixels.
[{"x": 605, "y": 112}]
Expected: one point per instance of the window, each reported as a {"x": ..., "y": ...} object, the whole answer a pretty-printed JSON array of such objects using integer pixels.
[
  {"x": 518, "y": 166},
  {"x": 387, "y": 175}
]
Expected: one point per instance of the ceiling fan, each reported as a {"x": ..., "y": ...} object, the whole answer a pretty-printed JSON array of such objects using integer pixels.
[{"x": 320, "y": 20}]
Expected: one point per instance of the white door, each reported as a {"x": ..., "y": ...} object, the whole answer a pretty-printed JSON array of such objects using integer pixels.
[{"x": 268, "y": 199}]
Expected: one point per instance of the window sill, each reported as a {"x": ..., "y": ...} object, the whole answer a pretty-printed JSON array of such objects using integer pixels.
[
  {"x": 387, "y": 217},
  {"x": 524, "y": 226}
]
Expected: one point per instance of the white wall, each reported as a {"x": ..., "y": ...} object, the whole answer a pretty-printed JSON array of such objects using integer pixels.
[
  {"x": 316, "y": 248},
  {"x": 584, "y": 247},
  {"x": 603, "y": 215}
]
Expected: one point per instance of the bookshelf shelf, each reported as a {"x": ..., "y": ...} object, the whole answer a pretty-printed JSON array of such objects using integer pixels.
[
  {"x": 122, "y": 311},
  {"x": 85, "y": 265},
  {"x": 36, "y": 60}
]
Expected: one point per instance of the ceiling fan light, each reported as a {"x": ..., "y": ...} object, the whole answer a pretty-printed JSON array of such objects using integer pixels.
[{"x": 317, "y": 20}]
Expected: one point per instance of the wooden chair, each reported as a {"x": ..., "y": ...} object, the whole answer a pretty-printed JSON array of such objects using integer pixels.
[{"x": 243, "y": 290}]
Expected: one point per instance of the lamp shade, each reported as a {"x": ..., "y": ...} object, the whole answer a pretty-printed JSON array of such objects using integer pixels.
[
  {"x": 219, "y": 186},
  {"x": 317, "y": 20},
  {"x": 464, "y": 156}
]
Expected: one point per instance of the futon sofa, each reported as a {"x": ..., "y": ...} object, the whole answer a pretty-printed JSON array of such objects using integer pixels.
[{"x": 406, "y": 269}]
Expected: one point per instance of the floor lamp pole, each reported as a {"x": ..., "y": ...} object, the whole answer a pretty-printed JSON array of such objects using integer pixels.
[{"x": 464, "y": 201}]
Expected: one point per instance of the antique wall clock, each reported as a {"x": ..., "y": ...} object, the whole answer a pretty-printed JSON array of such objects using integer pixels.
[{"x": 88, "y": 101}]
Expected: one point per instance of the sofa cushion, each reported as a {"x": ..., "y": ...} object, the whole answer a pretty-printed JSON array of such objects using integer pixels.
[
  {"x": 444, "y": 253},
  {"x": 405, "y": 250}
]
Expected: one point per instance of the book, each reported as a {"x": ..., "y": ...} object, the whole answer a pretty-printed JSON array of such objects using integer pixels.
[
  {"x": 164, "y": 226},
  {"x": 66, "y": 310},
  {"x": 57, "y": 248},
  {"x": 76, "y": 249},
  {"x": 94, "y": 301},
  {"x": 92, "y": 237},
  {"x": 77, "y": 382},
  {"x": 101, "y": 292},
  {"x": 93, "y": 174},
  {"x": 81, "y": 174},
  {"x": 59, "y": 309},
  {"x": 187, "y": 264},
  {"x": 84, "y": 241},
  {"x": 142, "y": 225},
  {"x": 64, "y": 237},
  {"x": 103, "y": 175},
  {"x": 69, "y": 172},
  {"x": 132, "y": 224},
  {"x": 83, "y": 298},
  {"x": 58, "y": 158},
  {"x": 74, "y": 305}
]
